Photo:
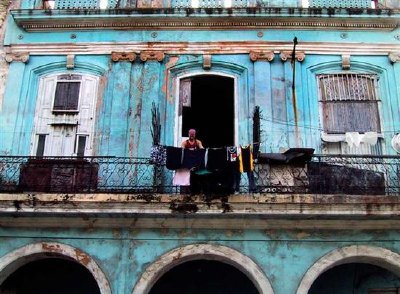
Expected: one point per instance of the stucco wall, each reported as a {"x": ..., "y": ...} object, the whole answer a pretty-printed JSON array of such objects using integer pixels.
[{"x": 123, "y": 255}]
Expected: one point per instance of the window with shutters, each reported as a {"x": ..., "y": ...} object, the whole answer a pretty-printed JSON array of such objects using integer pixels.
[
  {"x": 349, "y": 103},
  {"x": 66, "y": 97},
  {"x": 65, "y": 115}
]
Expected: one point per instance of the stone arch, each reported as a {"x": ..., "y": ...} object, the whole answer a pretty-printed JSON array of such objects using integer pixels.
[
  {"x": 19, "y": 257},
  {"x": 203, "y": 251},
  {"x": 378, "y": 256}
]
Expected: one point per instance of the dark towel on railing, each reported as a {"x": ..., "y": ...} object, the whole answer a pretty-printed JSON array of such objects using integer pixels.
[
  {"x": 193, "y": 158},
  {"x": 216, "y": 159},
  {"x": 174, "y": 158}
]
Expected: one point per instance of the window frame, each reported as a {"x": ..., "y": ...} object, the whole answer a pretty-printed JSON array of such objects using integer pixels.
[
  {"x": 61, "y": 79},
  {"x": 339, "y": 135}
]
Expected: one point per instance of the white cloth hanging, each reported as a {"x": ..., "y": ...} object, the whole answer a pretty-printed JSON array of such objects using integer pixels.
[
  {"x": 353, "y": 139},
  {"x": 370, "y": 138}
]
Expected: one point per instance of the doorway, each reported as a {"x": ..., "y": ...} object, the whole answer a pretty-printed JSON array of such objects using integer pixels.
[
  {"x": 207, "y": 103},
  {"x": 204, "y": 276},
  {"x": 51, "y": 275}
]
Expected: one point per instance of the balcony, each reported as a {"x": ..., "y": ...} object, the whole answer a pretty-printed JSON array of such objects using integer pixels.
[
  {"x": 315, "y": 174},
  {"x": 113, "y": 4}
]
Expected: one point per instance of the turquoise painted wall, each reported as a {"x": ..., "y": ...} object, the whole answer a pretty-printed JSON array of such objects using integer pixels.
[
  {"x": 123, "y": 115},
  {"x": 123, "y": 254},
  {"x": 128, "y": 90}
]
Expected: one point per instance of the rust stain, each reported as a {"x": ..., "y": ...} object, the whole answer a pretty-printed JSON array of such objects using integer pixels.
[
  {"x": 51, "y": 247},
  {"x": 171, "y": 62},
  {"x": 82, "y": 257}
]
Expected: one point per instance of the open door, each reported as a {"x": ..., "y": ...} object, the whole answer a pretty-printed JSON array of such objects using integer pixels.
[{"x": 207, "y": 105}]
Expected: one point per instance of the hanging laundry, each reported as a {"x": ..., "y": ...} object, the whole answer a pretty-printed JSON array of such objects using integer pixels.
[
  {"x": 194, "y": 159},
  {"x": 216, "y": 159},
  {"x": 246, "y": 159},
  {"x": 158, "y": 155},
  {"x": 181, "y": 177},
  {"x": 353, "y": 139},
  {"x": 370, "y": 138},
  {"x": 232, "y": 153},
  {"x": 174, "y": 158}
]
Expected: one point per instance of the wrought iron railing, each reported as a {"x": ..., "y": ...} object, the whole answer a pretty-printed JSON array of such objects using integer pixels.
[
  {"x": 114, "y": 4},
  {"x": 322, "y": 174}
]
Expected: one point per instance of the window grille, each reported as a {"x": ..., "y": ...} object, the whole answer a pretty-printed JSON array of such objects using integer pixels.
[
  {"x": 340, "y": 3},
  {"x": 349, "y": 103}
]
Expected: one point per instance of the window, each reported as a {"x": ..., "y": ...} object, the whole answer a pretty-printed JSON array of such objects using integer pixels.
[
  {"x": 349, "y": 103},
  {"x": 65, "y": 115},
  {"x": 66, "y": 97}
]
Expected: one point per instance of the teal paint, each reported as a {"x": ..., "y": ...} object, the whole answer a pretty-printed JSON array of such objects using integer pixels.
[
  {"x": 263, "y": 98},
  {"x": 124, "y": 254},
  {"x": 11, "y": 107},
  {"x": 119, "y": 111}
]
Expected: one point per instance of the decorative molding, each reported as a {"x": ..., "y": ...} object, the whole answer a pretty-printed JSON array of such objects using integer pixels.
[
  {"x": 345, "y": 61},
  {"x": 226, "y": 47},
  {"x": 285, "y": 55},
  {"x": 198, "y": 22},
  {"x": 394, "y": 56},
  {"x": 70, "y": 61},
  {"x": 123, "y": 56},
  {"x": 152, "y": 55},
  {"x": 207, "y": 61},
  {"x": 262, "y": 55},
  {"x": 18, "y": 57}
]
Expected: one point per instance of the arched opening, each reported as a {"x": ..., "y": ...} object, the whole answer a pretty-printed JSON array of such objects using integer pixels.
[
  {"x": 204, "y": 276},
  {"x": 18, "y": 258},
  {"x": 368, "y": 258},
  {"x": 203, "y": 252},
  {"x": 50, "y": 275},
  {"x": 356, "y": 278},
  {"x": 207, "y": 103}
]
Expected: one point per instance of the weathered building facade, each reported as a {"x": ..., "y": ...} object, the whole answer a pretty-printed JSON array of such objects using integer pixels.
[{"x": 90, "y": 86}]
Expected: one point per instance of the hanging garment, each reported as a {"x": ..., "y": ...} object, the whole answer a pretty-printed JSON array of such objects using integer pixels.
[
  {"x": 216, "y": 159},
  {"x": 246, "y": 159},
  {"x": 353, "y": 139},
  {"x": 158, "y": 155},
  {"x": 370, "y": 138},
  {"x": 181, "y": 177},
  {"x": 232, "y": 153},
  {"x": 194, "y": 159},
  {"x": 174, "y": 158}
]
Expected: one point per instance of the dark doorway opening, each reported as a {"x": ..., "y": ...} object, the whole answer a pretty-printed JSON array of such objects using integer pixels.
[
  {"x": 50, "y": 275},
  {"x": 204, "y": 276},
  {"x": 356, "y": 278},
  {"x": 211, "y": 111}
]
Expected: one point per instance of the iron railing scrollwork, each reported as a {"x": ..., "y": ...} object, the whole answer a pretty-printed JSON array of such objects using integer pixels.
[{"x": 322, "y": 174}]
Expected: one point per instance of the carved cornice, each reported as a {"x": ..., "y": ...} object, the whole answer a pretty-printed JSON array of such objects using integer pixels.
[
  {"x": 394, "y": 56},
  {"x": 229, "y": 19},
  {"x": 19, "y": 57},
  {"x": 123, "y": 56},
  {"x": 285, "y": 55},
  {"x": 262, "y": 56},
  {"x": 200, "y": 25},
  {"x": 152, "y": 55}
]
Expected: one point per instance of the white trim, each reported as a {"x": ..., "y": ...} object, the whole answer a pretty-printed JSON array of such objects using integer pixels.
[
  {"x": 203, "y": 252},
  {"x": 228, "y": 47},
  {"x": 19, "y": 257},
  {"x": 381, "y": 257}
]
